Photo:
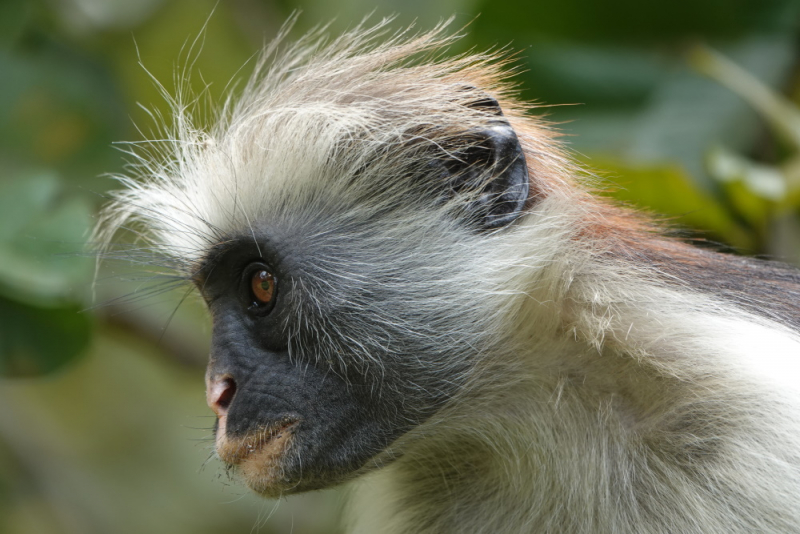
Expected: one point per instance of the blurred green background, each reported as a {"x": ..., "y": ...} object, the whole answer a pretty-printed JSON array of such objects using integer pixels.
[{"x": 686, "y": 108}]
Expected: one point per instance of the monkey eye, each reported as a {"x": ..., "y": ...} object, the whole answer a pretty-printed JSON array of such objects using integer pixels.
[{"x": 262, "y": 288}]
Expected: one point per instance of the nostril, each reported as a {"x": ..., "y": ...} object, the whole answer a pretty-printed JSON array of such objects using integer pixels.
[
  {"x": 228, "y": 391},
  {"x": 220, "y": 395}
]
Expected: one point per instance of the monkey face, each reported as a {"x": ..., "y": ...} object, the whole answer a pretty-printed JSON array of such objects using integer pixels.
[{"x": 301, "y": 402}]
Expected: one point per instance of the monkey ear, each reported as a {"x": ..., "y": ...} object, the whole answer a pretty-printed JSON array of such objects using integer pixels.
[{"x": 491, "y": 173}]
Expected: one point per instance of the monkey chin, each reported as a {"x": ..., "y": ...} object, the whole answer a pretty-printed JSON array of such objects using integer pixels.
[{"x": 258, "y": 457}]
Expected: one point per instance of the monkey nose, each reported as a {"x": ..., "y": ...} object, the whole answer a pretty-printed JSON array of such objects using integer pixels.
[{"x": 219, "y": 394}]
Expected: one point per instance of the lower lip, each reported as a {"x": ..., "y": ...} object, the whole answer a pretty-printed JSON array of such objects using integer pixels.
[{"x": 265, "y": 445}]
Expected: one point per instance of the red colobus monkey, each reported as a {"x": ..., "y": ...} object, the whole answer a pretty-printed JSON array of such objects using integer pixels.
[{"x": 410, "y": 287}]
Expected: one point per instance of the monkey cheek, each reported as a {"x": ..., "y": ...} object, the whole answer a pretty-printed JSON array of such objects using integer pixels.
[{"x": 258, "y": 458}]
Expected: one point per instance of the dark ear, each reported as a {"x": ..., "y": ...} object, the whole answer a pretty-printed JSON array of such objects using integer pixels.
[{"x": 491, "y": 173}]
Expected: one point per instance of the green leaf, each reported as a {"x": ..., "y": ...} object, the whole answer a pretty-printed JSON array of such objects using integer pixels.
[
  {"x": 22, "y": 199},
  {"x": 35, "y": 341},
  {"x": 41, "y": 242}
]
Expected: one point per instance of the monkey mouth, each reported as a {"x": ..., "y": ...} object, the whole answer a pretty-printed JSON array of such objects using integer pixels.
[{"x": 257, "y": 456}]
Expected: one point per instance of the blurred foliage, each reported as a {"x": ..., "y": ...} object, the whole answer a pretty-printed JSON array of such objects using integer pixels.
[
  {"x": 41, "y": 276},
  {"x": 677, "y": 107}
]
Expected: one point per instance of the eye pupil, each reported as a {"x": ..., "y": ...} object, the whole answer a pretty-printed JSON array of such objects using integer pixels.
[{"x": 263, "y": 287}]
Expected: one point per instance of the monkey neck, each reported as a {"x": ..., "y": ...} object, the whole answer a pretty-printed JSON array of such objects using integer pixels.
[{"x": 528, "y": 450}]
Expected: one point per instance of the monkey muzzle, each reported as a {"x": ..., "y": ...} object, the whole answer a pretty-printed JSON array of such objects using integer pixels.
[{"x": 258, "y": 454}]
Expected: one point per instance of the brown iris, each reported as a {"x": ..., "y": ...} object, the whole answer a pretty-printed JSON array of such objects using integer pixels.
[{"x": 263, "y": 286}]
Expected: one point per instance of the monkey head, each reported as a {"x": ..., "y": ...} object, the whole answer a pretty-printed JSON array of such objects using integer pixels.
[
  {"x": 324, "y": 220},
  {"x": 331, "y": 335}
]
